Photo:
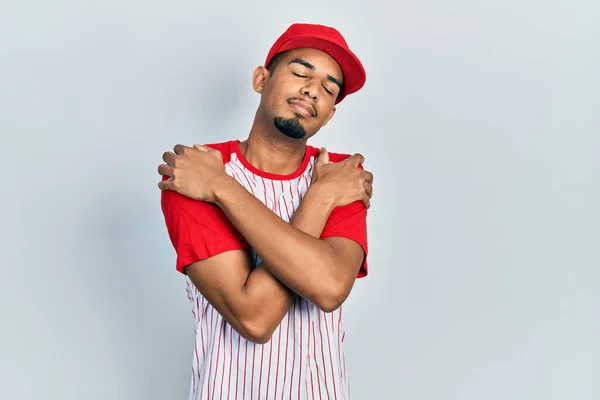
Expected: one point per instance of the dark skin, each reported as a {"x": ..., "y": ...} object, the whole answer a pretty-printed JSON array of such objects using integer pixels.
[
  {"x": 295, "y": 260},
  {"x": 266, "y": 148}
]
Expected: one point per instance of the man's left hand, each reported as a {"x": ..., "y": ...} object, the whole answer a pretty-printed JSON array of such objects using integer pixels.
[{"x": 194, "y": 172}]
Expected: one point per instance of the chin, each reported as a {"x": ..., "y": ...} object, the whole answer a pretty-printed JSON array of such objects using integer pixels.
[{"x": 290, "y": 127}]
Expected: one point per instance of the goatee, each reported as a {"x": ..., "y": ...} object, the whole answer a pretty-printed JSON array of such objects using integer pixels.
[{"x": 290, "y": 127}]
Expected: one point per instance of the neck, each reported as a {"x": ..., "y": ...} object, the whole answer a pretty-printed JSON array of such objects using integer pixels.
[{"x": 271, "y": 151}]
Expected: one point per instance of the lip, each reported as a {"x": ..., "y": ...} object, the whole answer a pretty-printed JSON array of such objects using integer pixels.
[{"x": 303, "y": 108}]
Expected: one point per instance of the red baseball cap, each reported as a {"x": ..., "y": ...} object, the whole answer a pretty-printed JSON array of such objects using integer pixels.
[{"x": 330, "y": 41}]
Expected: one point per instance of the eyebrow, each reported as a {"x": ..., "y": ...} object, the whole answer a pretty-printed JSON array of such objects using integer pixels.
[{"x": 312, "y": 67}]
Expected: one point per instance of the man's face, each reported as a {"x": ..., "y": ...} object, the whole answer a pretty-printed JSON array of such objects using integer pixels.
[{"x": 299, "y": 94}]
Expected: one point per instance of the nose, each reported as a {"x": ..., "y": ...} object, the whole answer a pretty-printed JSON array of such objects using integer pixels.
[{"x": 311, "y": 90}]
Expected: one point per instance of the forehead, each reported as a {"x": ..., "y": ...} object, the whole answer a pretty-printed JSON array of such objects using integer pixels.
[{"x": 322, "y": 61}]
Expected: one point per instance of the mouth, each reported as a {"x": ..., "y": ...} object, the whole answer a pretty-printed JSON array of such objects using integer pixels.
[{"x": 303, "y": 108}]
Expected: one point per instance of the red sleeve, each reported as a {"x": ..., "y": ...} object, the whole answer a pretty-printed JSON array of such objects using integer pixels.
[
  {"x": 198, "y": 230},
  {"x": 350, "y": 222}
]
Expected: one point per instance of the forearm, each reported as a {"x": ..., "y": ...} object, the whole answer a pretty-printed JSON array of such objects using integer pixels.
[
  {"x": 298, "y": 259},
  {"x": 265, "y": 300},
  {"x": 262, "y": 303}
]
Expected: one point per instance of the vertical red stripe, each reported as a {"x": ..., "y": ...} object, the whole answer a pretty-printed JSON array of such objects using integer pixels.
[
  {"x": 217, "y": 361},
  {"x": 311, "y": 351},
  {"x": 269, "y": 373},
  {"x": 237, "y": 366},
  {"x": 275, "y": 198},
  {"x": 212, "y": 349},
  {"x": 252, "y": 380},
  {"x": 285, "y": 202},
  {"x": 291, "y": 191},
  {"x": 301, "y": 346},
  {"x": 322, "y": 353},
  {"x": 262, "y": 354},
  {"x": 339, "y": 343},
  {"x": 287, "y": 335},
  {"x": 312, "y": 387},
  {"x": 315, "y": 355},
  {"x": 300, "y": 192},
  {"x": 230, "y": 361},
  {"x": 278, "y": 358},
  {"x": 307, "y": 183},
  {"x": 196, "y": 366},
  {"x": 201, "y": 331},
  {"x": 293, "y": 353},
  {"x": 330, "y": 357},
  {"x": 245, "y": 370},
  {"x": 214, "y": 330},
  {"x": 265, "y": 196}
]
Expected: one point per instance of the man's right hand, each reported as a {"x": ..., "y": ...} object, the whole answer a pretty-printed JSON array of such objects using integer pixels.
[{"x": 343, "y": 182}]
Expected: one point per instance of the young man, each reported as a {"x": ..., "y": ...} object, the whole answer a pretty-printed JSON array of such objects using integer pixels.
[{"x": 271, "y": 233}]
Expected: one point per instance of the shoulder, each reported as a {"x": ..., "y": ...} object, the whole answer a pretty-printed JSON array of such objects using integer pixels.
[
  {"x": 337, "y": 157},
  {"x": 226, "y": 148},
  {"x": 333, "y": 157},
  {"x": 170, "y": 197}
]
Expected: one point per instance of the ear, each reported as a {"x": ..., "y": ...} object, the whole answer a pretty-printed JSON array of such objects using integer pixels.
[
  {"x": 331, "y": 114},
  {"x": 259, "y": 78}
]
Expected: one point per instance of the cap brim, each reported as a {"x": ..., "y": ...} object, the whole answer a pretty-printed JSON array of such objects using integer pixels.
[{"x": 353, "y": 70}]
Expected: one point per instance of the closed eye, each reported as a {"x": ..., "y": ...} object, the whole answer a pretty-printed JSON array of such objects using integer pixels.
[{"x": 304, "y": 76}]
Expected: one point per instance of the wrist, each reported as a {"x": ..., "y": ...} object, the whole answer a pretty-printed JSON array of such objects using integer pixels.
[
  {"x": 224, "y": 186},
  {"x": 321, "y": 196}
]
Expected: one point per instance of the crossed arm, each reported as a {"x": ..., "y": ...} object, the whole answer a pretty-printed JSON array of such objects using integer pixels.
[
  {"x": 322, "y": 271},
  {"x": 295, "y": 260}
]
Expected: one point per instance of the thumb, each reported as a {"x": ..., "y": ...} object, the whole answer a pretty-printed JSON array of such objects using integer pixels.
[
  {"x": 201, "y": 148},
  {"x": 323, "y": 157}
]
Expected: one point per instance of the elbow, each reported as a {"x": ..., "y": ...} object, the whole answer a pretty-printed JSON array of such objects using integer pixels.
[
  {"x": 329, "y": 304},
  {"x": 260, "y": 338},
  {"x": 332, "y": 288},
  {"x": 256, "y": 331},
  {"x": 331, "y": 298}
]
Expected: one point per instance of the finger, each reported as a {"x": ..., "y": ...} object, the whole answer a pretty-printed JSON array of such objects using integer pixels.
[
  {"x": 369, "y": 189},
  {"x": 180, "y": 148},
  {"x": 367, "y": 202},
  {"x": 323, "y": 157},
  {"x": 356, "y": 159},
  {"x": 368, "y": 177},
  {"x": 202, "y": 147},
  {"x": 169, "y": 157},
  {"x": 165, "y": 170},
  {"x": 165, "y": 184}
]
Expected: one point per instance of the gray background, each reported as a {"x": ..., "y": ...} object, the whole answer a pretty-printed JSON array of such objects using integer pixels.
[{"x": 479, "y": 120}]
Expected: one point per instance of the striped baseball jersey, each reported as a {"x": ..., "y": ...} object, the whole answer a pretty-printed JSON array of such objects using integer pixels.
[{"x": 304, "y": 359}]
